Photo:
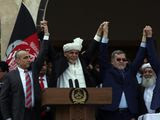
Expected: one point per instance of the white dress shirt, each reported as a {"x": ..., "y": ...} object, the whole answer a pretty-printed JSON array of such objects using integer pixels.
[
  {"x": 74, "y": 71},
  {"x": 23, "y": 80},
  {"x": 44, "y": 81},
  {"x": 148, "y": 93},
  {"x": 123, "y": 102}
]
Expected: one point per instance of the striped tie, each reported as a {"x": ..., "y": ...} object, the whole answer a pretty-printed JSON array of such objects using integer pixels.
[{"x": 28, "y": 99}]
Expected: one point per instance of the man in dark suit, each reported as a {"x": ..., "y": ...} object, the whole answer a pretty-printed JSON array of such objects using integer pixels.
[
  {"x": 47, "y": 112},
  {"x": 155, "y": 63},
  {"x": 146, "y": 89},
  {"x": 20, "y": 93},
  {"x": 71, "y": 65},
  {"x": 3, "y": 70},
  {"x": 121, "y": 76}
]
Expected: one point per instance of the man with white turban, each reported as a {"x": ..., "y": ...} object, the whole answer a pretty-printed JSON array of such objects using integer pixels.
[
  {"x": 70, "y": 68},
  {"x": 155, "y": 63},
  {"x": 146, "y": 89},
  {"x": 71, "y": 50}
]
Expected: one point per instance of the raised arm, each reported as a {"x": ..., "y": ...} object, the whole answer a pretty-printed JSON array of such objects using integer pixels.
[
  {"x": 39, "y": 61},
  {"x": 93, "y": 46},
  {"x": 138, "y": 61},
  {"x": 104, "y": 56},
  {"x": 151, "y": 51}
]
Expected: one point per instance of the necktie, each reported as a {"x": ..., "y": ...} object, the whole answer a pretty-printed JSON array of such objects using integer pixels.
[
  {"x": 123, "y": 76},
  {"x": 43, "y": 113},
  {"x": 41, "y": 81},
  {"x": 122, "y": 73},
  {"x": 28, "y": 98}
]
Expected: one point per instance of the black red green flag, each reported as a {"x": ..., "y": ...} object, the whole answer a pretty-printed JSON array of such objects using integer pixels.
[{"x": 24, "y": 37}]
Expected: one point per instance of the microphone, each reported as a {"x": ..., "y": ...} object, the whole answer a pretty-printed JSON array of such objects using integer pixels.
[
  {"x": 76, "y": 83},
  {"x": 70, "y": 83}
]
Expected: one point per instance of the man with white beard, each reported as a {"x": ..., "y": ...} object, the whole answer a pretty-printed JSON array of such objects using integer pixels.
[
  {"x": 146, "y": 89},
  {"x": 148, "y": 76}
]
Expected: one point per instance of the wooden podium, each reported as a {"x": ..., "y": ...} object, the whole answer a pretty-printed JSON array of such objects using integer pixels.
[{"x": 67, "y": 110}]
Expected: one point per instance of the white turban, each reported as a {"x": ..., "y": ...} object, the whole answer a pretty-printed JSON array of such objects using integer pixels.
[
  {"x": 75, "y": 45},
  {"x": 146, "y": 65}
]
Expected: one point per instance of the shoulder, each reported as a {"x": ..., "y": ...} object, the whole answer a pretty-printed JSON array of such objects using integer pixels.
[{"x": 12, "y": 73}]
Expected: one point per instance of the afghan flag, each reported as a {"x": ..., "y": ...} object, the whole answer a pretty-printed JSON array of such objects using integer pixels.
[{"x": 24, "y": 37}]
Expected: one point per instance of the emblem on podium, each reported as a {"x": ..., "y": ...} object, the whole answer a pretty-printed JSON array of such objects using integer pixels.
[{"x": 79, "y": 95}]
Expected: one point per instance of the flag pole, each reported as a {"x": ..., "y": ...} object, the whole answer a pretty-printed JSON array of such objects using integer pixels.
[
  {"x": 45, "y": 8},
  {"x": 42, "y": 12}
]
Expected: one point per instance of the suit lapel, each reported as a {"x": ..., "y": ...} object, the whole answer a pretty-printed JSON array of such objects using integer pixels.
[
  {"x": 142, "y": 89},
  {"x": 19, "y": 82}
]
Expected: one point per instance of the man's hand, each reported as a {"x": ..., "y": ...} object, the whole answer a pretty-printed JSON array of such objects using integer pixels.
[
  {"x": 44, "y": 27},
  {"x": 144, "y": 35},
  {"x": 105, "y": 29},
  {"x": 98, "y": 35},
  {"x": 148, "y": 31},
  {"x": 100, "y": 29}
]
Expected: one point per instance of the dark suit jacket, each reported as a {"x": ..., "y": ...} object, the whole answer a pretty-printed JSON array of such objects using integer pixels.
[
  {"x": 141, "y": 103},
  {"x": 120, "y": 80},
  {"x": 60, "y": 64},
  {"x": 12, "y": 94},
  {"x": 155, "y": 63}
]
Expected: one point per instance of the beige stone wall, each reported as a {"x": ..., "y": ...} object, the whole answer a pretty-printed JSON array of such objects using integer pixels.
[{"x": 8, "y": 13}]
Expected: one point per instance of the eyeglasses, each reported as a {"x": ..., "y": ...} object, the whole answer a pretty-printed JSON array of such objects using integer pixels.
[{"x": 121, "y": 59}]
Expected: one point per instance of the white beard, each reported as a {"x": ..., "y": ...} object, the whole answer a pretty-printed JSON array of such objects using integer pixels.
[{"x": 147, "y": 82}]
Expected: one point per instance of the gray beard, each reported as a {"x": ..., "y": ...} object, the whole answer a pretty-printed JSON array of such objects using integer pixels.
[{"x": 148, "y": 82}]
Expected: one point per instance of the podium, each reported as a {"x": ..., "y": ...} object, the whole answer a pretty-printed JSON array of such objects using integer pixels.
[{"x": 66, "y": 109}]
